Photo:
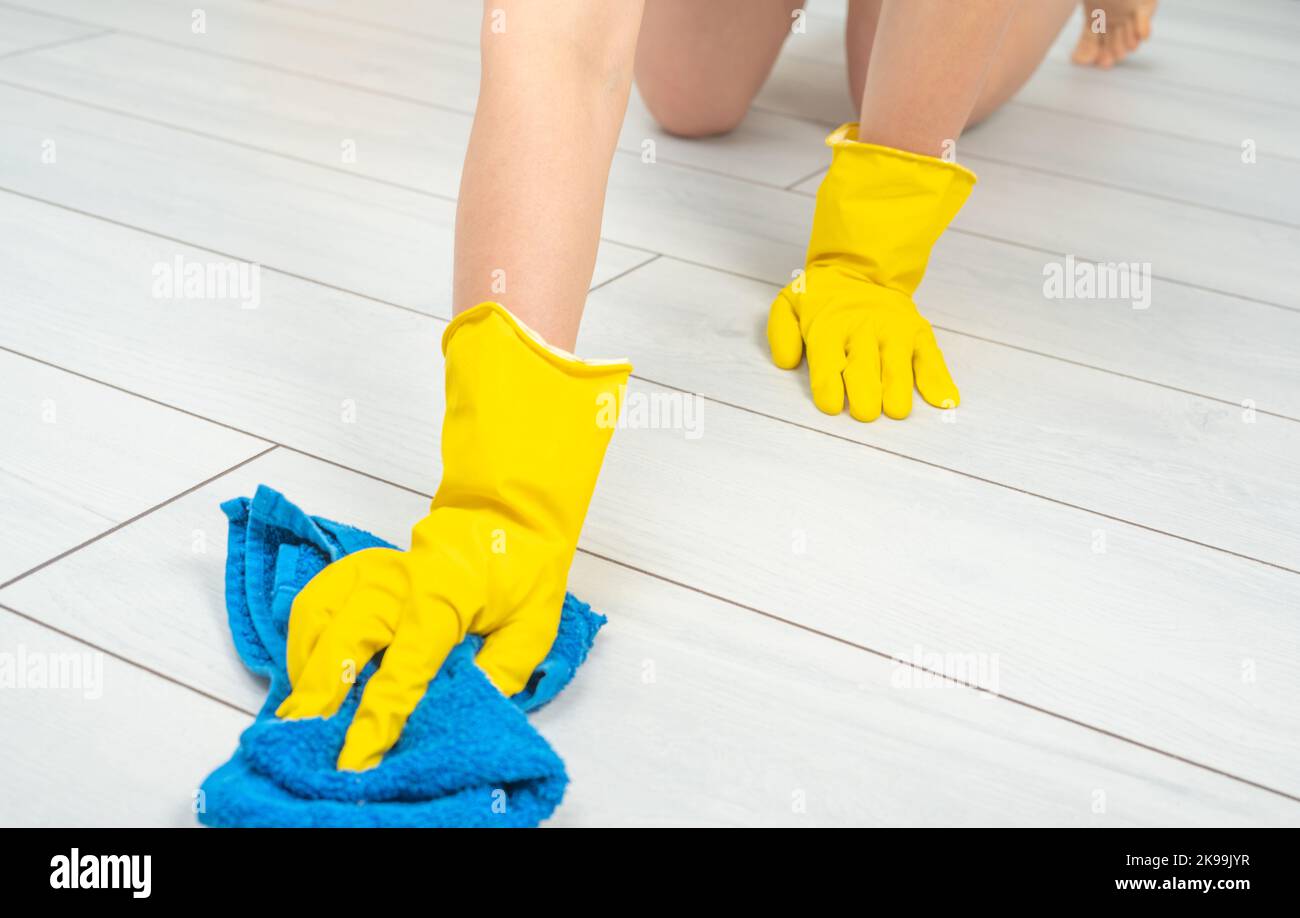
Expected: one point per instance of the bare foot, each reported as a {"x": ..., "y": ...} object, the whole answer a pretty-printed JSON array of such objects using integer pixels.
[{"x": 1112, "y": 30}]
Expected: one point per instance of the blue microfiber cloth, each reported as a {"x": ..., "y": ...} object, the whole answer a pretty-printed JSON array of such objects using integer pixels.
[{"x": 468, "y": 755}]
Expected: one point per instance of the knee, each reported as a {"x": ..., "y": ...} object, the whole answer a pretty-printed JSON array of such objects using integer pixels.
[{"x": 686, "y": 114}]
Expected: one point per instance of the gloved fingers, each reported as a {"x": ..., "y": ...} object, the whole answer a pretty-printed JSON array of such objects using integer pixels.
[
  {"x": 313, "y": 608},
  {"x": 862, "y": 377},
  {"x": 512, "y": 652},
  {"x": 424, "y": 637},
  {"x": 896, "y": 377},
  {"x": 826, "y": 362},
  {"x": 344, "y": 648},
  {"x": 783, "y": 334},
  {"x": 932, "y": 376}
]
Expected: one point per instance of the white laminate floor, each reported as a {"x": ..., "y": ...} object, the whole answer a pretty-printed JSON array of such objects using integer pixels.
[{"x": 1104, "y": 537}]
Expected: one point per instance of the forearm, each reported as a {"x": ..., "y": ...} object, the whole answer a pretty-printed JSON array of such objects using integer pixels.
[
  {"x": 928, "y": 63},
  {"x": 554, "y": 89}
]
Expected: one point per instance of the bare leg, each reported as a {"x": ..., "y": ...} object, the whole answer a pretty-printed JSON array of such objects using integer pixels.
[
  {"x": 1031, "y": 31},
  {"x": 698, "y": 64},
  {"x": 1033, "y": 28},
  {"x": 928, "y": 64},
  {"x": 555, "y": 83}
]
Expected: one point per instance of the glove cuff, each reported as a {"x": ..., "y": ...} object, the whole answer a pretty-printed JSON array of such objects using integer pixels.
[
  {"x": 880, "y": 210},
  {"x": 845, "y": 137},
  {"x": 526, "y": 425},
  {"x": 557, "y": 356}
]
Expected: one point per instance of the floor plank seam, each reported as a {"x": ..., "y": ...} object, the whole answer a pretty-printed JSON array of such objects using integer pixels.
[
  {"x": 1037, "y": 709},
  {"x": 45, "y": 588},
  {"x": 368, "y": 23},
  {"x": 1119, "y": 373},
  {"x": 139, "y": 516},
  {"x": 10, "y": 55},
  {"x": 455, "y": 110},
  {"x": 425, "y": 36},
  {"x": 127, "y": 660},
  {"x": 973, "y": 477},
  {"x": 341, "y": 170},
  {"x": 949, "y": 678},
  {"x": 797, "y": 182},
  {"x": 1170, "y": 199},
  {"x": 47, "y": 15},
  {"x": 719, "y": 401},
  {"x": 1080, "y": 257},
  {"x": 145, "y": 36},
  {"x": 1233, "y": 52},
  {"x": 1157, "y": 132},
  {"x": 593, "y": 554},
  {"x": 621, "y": 274},
  {"x": 133, "y": 394},
  {"x": 385, "y": 27},
  {"x": 1064, "y": 112},
  {"x": 1227, "y": 94},
  {"x": 1027, "y": 246},
  {"x": 656, "y": 255},
  {"x": 216, "y": 138},
  {"x": 751, "y": 411}
]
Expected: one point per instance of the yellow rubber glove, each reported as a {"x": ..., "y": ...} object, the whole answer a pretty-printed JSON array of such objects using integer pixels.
[
  {"x": 879, "y": 212},
  {"x": 524, "y": 435}
]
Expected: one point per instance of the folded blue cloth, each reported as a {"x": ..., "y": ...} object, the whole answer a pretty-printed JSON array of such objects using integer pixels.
[{"x": 467, "y": 757}]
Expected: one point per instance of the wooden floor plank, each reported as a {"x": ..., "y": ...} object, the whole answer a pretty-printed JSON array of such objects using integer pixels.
[
  {"x": 22, "y": 31},
  {"x": 1147, "y": 636},
  {"x": 1266, "y": 14},
  {"x": 124, "y": 748},
  {"x": 1224, "y": 348},
  {"x": 1224, "y": 30},
  {"x": 798, "y": 729},
  {"x": 1138, "y": 160},
  {"x": 813, "y": 85},
  {"x": 355, "y": 130},
  {"x": 1118, "y": 225},
  {"x": 1109, "y": 443},
  {"x": 340, "y": 128},
  {"x": 1203, "y": 470},
  {"x": 1155, "y": 639},
  {"x": 808, "y": 82},
  {"x": 1221, "y": 77},
  {"x": 1221, "y": 54},
  {"x": 78, "y": 458},
  {"x": 644, "y": 209},
  {"x": 375, "y": 239},
  {"x": 292, "y": 41},
  {"x": 446, "y": 20},
  {"x": 647, "y": 209}
]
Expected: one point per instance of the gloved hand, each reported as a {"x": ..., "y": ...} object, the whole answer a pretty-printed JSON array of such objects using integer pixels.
[
  {"x": 879, "y": 212},
  {"x": 524, "y": 435}
]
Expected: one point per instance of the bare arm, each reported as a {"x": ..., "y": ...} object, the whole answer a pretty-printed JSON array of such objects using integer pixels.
[{"x": 555, "y": 84}]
